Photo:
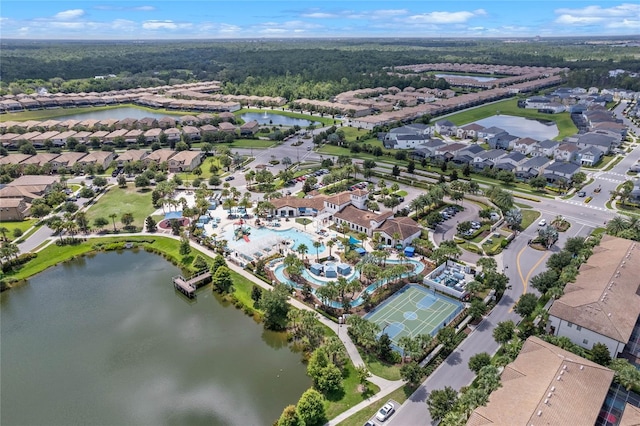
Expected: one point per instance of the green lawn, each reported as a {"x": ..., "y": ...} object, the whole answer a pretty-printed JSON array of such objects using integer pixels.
[
  {"x": 122, "y": 200},
  {"x": 336, "y": 404},
  {"x": 250, "y": 143},
  {"x": 510, "y": 107},
  {"x": 528, "y": 217},
  {"x": 22, "y": 225},
  {"x": 377, "y": 367},
  {"x": 205, "y": 166},
  {"x": 399, "y": 395}
]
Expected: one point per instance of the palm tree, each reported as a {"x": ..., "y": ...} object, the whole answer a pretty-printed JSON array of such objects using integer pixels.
[
  {"x": 330, "y": 244},
  {"x": 302, "y": 249},
  {"x": 317, "y": 245},
  {"x": 616, "y": 225},
  {"x": 113, "y": 218},
  {"x": 4, "y": 231}
]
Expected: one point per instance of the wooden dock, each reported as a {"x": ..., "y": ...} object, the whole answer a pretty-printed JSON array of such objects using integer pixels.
[{"x": 188, "y": 286}]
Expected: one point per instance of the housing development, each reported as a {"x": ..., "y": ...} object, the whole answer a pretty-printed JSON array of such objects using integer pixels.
[{"x": 456, "y": 244}]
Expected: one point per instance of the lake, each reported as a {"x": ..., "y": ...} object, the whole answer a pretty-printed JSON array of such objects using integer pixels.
[
  {"x": 106, "y": 340},
  {"x": 275, "y": 119},
  {"x": 522, "y": 127},
  {"x": 117, "y": 114}
]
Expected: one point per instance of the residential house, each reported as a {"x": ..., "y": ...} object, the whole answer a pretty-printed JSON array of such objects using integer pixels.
[
  {"x": 489, "y": 132},
  {"x": 404, "y": 141},
  {"x": 98, "y": 158},
  {"x": 61, "y": 138},
  {"x": 567, "y": 152},
  {"x": 428, "y": 149},
  {"x": 603, "y": 304},
  {"x": 173, "y": 134},
  {"x": 159, "y": 156},
  {"x": 226, "y": 127},
  {"x": 66, "y": 160},
  {"x": 131, "y": 136},
  {"x": 185, "y": 161},
  {"x": 445, "y": 128},
  {"x": 466, "y": 155},
  {"x": 510, "y": 161},
  {"x": 167, "y": 122},
  {"x": 126, "y": 123},
  {"x": 40, "y": 159},
  {"x": 546, "y": 385},
  {"x": 189, "y": 120},
  {"x": 191, "y": 132},
  {"x": 590, "y": 156},
  {"x": 470, "y": 131},
  {"x": 249, "y": 128},
  {"x": 147, "y": 123},
  {"x": 525, "y": 145},
  {"x": 208, "y": 129},
  {"x": 153, "y": 135},
  {"x": 448, "y": 151},
  {"x": 13, "y": 158},
  {"x": 82, "y": 136},
  {"x": 39, "y": 140},
  {"x": 604, "y": 142},
  {"x": 111, "y": 137},
  {"x": 502, "y": 140},
  {"x": 13, "y": 209},
  {"x": 487, "y": 158},
  {"x": 558, "y": 170},
  {"x": 131, "y": 156},
  {"x": 545, "y": 148},
  {"x": 532, "y": 167}
]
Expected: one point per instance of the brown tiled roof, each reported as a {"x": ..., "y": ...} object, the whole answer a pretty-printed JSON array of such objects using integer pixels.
[
  {"x": 363, "y": 218},
  {"x": 630, "y": 416},
  {"x": 160, "y": 155},
  {"x": 527, "y": 141},
  {"x": 360, "y": 192},
  {"x": 605, "y": 296},
  {"x": 405, "y": 226},
  {"x": 339, "y": 199},
  {"x": 26, "y": 180},
  {"x": 532, "y": 394},
  {"x": 316, "y": 203},
  {"x": 14, "y": 158},
  {"x": 132, "y": 155},
  {"x": 40, "y": 159}
]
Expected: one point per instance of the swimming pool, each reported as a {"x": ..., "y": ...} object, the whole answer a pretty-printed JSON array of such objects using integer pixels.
[
  {"x": 418, "y": 268},
  {"x": 267, "y": 239}
]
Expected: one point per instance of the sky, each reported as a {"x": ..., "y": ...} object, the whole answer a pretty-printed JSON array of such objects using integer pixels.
[{"x": 220, "y": 19}]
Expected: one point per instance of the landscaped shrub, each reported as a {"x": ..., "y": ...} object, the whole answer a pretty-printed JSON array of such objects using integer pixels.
[{"x": 17, "y": 261}]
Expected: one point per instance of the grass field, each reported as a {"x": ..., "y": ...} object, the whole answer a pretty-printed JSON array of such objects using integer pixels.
[
  {"x": 21, "y": 225},
  {"x": 510, "y": 107},
  {"x": 528, "y": 217},
  {"x": 122, "y": 200}
]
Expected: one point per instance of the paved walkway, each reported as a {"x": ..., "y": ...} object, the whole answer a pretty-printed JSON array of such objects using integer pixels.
[{"x": 386, "y": 386}]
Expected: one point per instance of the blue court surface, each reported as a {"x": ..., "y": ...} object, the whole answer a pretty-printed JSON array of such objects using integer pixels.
[{"x": 412, "y": 311}]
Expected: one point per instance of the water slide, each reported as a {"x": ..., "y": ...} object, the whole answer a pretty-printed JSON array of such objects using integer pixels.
[{"x": 246, "y": 238}]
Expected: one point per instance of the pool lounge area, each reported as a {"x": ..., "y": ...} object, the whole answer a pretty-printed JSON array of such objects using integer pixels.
[{"x": 450, "y": 278}]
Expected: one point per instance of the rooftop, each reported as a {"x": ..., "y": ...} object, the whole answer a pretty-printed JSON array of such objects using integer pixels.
[
  {"x": 605, "y": 297},
  {"x": 546, "y": 385}
]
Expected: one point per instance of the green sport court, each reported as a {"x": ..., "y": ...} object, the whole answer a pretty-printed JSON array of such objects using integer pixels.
[{"x": 412, "y": 311}]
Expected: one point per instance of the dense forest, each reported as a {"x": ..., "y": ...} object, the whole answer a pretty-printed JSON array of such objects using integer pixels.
[{"x": 294, "y": 69}]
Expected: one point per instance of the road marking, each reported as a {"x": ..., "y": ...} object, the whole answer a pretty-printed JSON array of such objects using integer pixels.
[{"x": 525, "y": 282}]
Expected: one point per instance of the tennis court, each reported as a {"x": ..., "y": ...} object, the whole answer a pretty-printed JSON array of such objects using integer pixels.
[{"x": 412, "y": 311}]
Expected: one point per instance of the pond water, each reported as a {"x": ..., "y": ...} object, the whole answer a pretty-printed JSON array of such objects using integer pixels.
[
  {"x": 107, "y": 340},
  {"x": 275, "y": 119},
  {"x": 522, "y": 127},
  {"x": 116, "y": 114},
  {"x": 472, "y": 77}
]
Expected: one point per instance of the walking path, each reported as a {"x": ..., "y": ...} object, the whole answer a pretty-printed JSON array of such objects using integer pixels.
[{"x": 386, "y": 386}]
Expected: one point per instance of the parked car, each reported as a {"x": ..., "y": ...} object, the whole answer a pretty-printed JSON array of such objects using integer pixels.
[
  {"x": 385, "y": 412},
  {"x": 542, "y": 222},
  {"x": 582, "y": 194},
  {"x": 228, "y": 178}
]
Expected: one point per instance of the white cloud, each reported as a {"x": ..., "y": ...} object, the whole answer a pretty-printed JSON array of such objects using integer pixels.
[
  {"x": 69, "y": 14},
  {"x": 591, "y": 15},
  {"x": 443, "y": 17},
  {"x": 144, "y": 8},
  {"x": 159, "y": 25},
  {"x": 319, "y": 15}
]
